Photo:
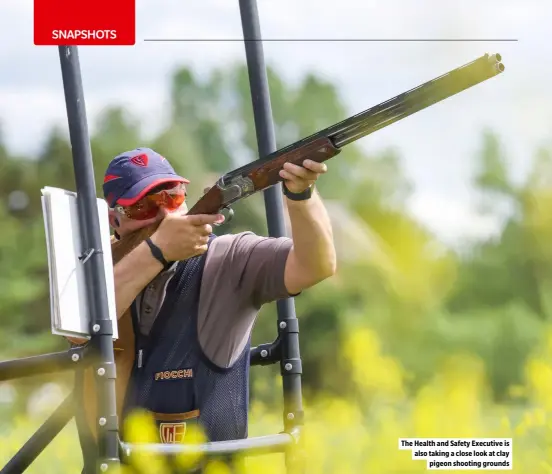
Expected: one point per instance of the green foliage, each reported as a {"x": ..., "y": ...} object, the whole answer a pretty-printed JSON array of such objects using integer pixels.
[
  {"x": 492, "y": 175},
  {"x": 423, "y": 300}
]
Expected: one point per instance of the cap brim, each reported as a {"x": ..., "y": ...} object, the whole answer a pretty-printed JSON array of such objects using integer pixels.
[{"x": 141, "y": 188}]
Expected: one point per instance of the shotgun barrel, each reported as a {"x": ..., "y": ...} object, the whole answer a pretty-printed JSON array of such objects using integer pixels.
[
  {"x": 321, "y": 146},
  {"x": 392, "y": 110},
  {"x": 416, "y": 99}
]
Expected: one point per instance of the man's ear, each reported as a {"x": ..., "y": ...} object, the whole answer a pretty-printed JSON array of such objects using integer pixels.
[{"x": 114, "y": 219}]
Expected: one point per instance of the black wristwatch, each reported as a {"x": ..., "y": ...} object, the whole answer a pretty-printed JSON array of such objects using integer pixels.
[
  {"x": 302, "y": 196},
  {"x": 157, "y": 253}
]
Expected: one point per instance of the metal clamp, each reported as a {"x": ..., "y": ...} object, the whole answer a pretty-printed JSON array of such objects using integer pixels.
[
  {"x": 76, "y": 353},
  {"x": 106, "y": 370},
  {"x": 289, "y": 325},
  {"x": 266, "y": 354},
  {"x": 103, "y": 327},
  {"x": 105, "y": 464},
  {"x": 88, "y": 253},
  {"x": 109, "y": 423},
  {"x": 291, "y": 366},
  {"x": 295, "y": 418}
]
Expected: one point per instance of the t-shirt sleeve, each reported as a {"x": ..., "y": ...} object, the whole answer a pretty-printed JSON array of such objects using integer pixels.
[
  {"x": 258, "y": 264},
  {"x": 242, "y": 272}
]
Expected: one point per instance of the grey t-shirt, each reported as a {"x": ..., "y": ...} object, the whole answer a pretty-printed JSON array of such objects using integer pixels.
[{"x": 242, "y": 272}]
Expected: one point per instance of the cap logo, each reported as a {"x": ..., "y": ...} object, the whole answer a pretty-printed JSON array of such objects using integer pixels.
[{"x": 140, "y": 160}]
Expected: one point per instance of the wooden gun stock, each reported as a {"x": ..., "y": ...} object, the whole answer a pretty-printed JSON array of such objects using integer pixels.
[
  {"x": 209, "y": 203},
  {"x": 122, "y": 247}
]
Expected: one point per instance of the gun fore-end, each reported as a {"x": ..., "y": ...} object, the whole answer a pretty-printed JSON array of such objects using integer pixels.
[
  {"x": 229, "y": 190},
  {"x": 318, "y": 150}
]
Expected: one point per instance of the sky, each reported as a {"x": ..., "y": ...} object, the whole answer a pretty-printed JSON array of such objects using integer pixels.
[{"x": 438, "y": 146}]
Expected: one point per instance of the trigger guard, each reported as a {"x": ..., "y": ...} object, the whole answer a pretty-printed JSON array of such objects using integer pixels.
[{"x": 227, "y": 218}]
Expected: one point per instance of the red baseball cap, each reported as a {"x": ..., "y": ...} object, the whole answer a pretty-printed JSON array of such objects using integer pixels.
[{"x": 132, "y": 174}]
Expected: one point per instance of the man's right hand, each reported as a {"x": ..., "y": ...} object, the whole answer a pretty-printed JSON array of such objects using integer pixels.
[{"x": 181, "y": 237}]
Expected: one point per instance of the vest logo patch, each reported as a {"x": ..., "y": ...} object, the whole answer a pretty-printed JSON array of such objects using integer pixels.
[
  {"x": 175, "y": 374},
  {"x": 172, "y": 433}
]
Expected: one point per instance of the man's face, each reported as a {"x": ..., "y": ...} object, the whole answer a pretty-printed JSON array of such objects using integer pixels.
[{"x": 152, "y": 208}]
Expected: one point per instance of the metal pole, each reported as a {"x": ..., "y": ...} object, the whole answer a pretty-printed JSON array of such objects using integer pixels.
[
  {"x": 100, "y": 324},
  {"x": 290, "y": 364},
  {"x": 42, "y": 364},
  {"x": 43, "y": 436},
  {"x": 252, "y": 446}
]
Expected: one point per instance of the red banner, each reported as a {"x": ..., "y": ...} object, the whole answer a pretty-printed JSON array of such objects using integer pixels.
[{"x": 84, "y": 22}]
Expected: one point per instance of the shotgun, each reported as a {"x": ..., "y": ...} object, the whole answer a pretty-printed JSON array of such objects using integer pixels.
[
  {"x": 264, "y": 173},
  {"x": 325, "y": 144}
]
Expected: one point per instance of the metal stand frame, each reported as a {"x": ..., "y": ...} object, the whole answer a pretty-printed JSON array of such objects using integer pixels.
[
  {"x": 286, "y": 347},
  {"x": 100, "y": 353}
]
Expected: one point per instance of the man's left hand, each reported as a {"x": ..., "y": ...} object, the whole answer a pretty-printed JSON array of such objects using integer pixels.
[{"x": 299, "y": 178}]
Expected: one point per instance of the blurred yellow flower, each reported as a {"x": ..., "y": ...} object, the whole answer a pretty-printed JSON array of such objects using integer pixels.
[{"x": 358, "y": 432}]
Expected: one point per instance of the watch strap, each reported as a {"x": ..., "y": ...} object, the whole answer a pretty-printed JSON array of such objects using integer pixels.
[
  {"x": 157, "y": 253},
  {"x": 302, "y": 196}
]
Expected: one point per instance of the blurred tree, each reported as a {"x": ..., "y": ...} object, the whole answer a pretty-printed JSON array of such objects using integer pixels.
[
  {"x": 515, "y": 267},
  {"x": 22, "y": 262},
  {"x": 55, "y": 162},
  {"x": 492, "y": 173}
]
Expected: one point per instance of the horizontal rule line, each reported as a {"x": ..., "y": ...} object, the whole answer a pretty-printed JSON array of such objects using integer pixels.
[{"x": 331, "y": 40}]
